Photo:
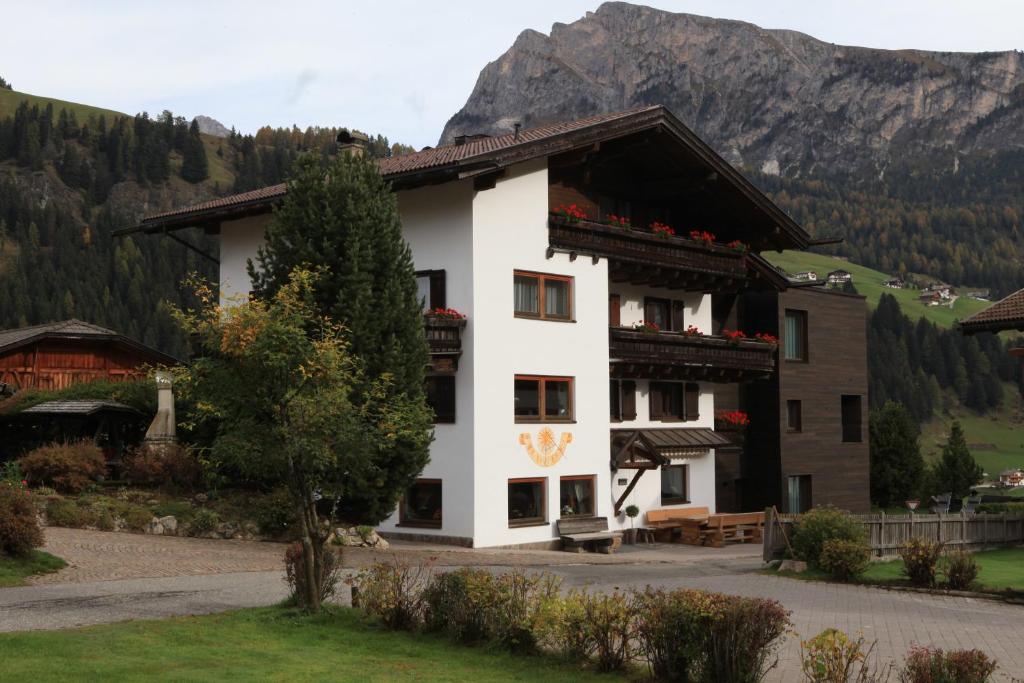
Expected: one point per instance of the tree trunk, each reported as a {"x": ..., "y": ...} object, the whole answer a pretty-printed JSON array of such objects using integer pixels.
[{"x": 312, "y": 597}]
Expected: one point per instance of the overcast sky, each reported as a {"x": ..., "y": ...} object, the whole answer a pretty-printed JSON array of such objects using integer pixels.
[{"x": 396, "y": 67}]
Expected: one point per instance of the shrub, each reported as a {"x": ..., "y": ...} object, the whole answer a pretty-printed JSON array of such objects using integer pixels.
[
  {"x": 67, "y": 467},
  {"x": 165, "y": 466},
  {"x": 393, "y": 593},
  {"x": 204, "y": 521},
  {"x": 456, "y": 603},
  {"x": 608, "y": 626},
  {"x": 105, "y": 521},
  {"x": 933, "y": 665},
  {"x": 833, "y": 657},
  {"x": 844, "y": 560},
  {"x": 274, "y": 513},
  {"x": 961, "y": 570},
  {"x": 560, "y": 627},
  {"x": 920, "y": 557},
  {"x": 745, "y": 633},
  {"x": 822, "y": 524},
  {"x": 19, "y": 529},
  {"x": 328, "y": 568},
  {"x": 673, "y": 629},
  {"x": 514, "y": 613},
  {"x": 136, "y": 517},
  {"x": 68, "y": 513}
]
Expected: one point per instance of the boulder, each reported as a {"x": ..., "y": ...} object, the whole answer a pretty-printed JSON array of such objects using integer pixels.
[
  {"x": 382, "y": 544},
  {"x": 795, "y": 566},
  {"x": 155, "y": 527},
  {"x": 169, "y": 523}
]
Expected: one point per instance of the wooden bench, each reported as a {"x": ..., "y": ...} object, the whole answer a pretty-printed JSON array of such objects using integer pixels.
[
  {"x": 666, "y": 521},
  {"x": 578, "y": 532},
  {"x": 743, "y": 527}
]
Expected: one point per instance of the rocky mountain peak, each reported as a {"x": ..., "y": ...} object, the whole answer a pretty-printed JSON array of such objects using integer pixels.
[{"x": 211, "y": 126}]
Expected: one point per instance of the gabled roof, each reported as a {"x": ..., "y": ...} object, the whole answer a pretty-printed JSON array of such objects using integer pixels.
[
  {"x": 74, "y": 329},
  {"x": 484, "y": 155},
  {"x": 1007, "y": 314}
]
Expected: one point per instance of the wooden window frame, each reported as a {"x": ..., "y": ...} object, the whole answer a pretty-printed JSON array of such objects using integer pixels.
[
  {"x": 445, "y": 419},
  {"x": 541, "y": 304},
  {"x": 541, "y": 400},
  {"x": 626, "y": 390},
  {"x": 685, "y": 500},
  {"x": 686, "y": 391},
  {"x": 592, "y": 478},
  {"x": 423, "y": 524},
  {"x": 530, "y": 521},
  {"x": 799, "y": 416},
  {"x": 804, "y": 335},
  {"x": 657, "y": 300},
  {"x": 438, "y": 288}
]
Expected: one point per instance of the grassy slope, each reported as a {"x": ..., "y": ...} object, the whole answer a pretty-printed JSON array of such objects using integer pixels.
[
  {"x": 996, "y": 440},
  {"x": 869, "y": 283},
  {"x": 10, "y": 99},
  {"x": 259, "y": 645},
  {"x": 14, "y": 571}
]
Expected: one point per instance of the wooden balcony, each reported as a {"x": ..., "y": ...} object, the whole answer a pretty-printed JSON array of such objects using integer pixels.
[
  {"x": 444, "y": 340},
  {"x": 642, "y": 258},
  {"x": 673, "y": 356}
]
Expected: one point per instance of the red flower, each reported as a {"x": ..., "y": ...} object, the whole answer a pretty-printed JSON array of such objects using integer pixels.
[
  {"x": 736, "y": 245},
  {"x": 766, "y": 338},
  {"x": 662, "y": 230},
  {"x": 692, "y": 331},
  {"x": 618, "y": 221},
  {"x": 571, "y": 212},
  {"x": 647, "y": 327},
  {"x": 702, "y": 236},
  {"x": 733, "y": 418},
  {"x": 733, "y": 335},
  {"x": 447, "y": 313}
]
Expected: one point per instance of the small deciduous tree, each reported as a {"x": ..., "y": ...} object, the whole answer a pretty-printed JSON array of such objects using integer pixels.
[
  {"x": 897, "y": 466},
  {"x": 956, "y": 471},
  {"x": 292, "y": 407}
]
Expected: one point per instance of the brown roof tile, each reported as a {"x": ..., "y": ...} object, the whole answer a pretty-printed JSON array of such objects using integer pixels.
[{"x": 1007, "y": 314}]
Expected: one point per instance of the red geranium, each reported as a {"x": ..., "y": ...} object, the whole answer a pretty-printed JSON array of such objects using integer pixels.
[
  {"x": 446, "y": 313},
  {"x": 647, "y": 327},
  {"x": 662, "y": 230},
  {"x": 736, "y": 245},
  {"x": 618, "y": 221},
  {"x": 702, "y": 236},
  {"x": 766, "y": 338},
  {"x": 570, "y": 212},
  {"x": 732, "y": 418},
  {"x": 733, "y": 335}
]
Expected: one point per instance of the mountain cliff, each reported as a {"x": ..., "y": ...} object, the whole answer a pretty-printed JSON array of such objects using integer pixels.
[{"x": 775, "y": 100}]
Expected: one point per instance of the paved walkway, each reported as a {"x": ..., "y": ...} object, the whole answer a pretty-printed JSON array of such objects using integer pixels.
[{"x": 189, "y": 576}]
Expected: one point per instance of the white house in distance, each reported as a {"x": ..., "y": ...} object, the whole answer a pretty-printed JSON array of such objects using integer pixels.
[{"x": 583, "y": 378}]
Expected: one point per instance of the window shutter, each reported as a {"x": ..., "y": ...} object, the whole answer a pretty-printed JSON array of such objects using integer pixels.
[
  {"x": 437, "y": 290},
  {"x": 650, "y": 311},
  {"x": 677, "y": 316},
  {"x": 657, "y": 402},
  {"x": 691, "y": 410},
  {"x": 628, "y": 400},
  {"x": 614, "y": 304}
]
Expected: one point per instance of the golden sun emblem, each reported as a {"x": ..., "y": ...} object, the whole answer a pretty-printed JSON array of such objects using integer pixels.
[{"x": 548, "y": 450}]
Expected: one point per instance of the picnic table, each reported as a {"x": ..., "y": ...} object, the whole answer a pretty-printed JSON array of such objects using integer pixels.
[{"x": 697, "y": 526}]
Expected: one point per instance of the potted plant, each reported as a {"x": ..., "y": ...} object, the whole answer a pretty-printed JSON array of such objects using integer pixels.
[
  {"x": 631, "y": 511},
  {"x": 708, "y": 238},
  {"x": 738, "y": 246},
  {"x": 661, "y": 230},
  {"x": 647, "y": 327},
  {"x": 571, "y": 213},
  {"x": 733, "y": 336},
  {"x": 617, "y": 221}
]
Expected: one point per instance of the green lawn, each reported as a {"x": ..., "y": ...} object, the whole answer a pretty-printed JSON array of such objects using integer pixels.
[
  {"x": 11, "y": 99},
  {"x": 999, "y": 570},
  {"x": 996, "y": 440},
  {"x": 14, "y": 571},
  {"x": 869, "y": 283},
  {"x": 272, "y": 643}
]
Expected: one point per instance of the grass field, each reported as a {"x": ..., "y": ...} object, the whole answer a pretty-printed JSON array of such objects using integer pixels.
[
  {"x": 996, "y": 440},
  {"x": 10, "y": 99},
  {"x": 260, "y": 645},
  {"x": 999, "y": 570},
  {"x": 14, "y": 571},
  {"x": 869, "y": 283}
]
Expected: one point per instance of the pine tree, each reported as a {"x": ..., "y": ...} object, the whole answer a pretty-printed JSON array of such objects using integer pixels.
[
  {"x": 897, "y": 466},
  {"x": 956, "y": 471},
  {"x": 343, "y": 220},
  {"x": 194, "y": 168}
]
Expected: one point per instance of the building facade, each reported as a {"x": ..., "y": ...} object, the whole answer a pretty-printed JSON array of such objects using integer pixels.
[{"x": 590, "y": 261}]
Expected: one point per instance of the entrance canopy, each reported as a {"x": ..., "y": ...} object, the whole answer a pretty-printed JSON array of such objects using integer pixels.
[{"x": 651, "y": 448}]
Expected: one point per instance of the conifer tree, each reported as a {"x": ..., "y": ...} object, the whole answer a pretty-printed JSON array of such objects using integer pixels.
[
  {"x": 343, "y": 220},
  {"x": 194, "y": 168},
  {"x": 896, "y": 462},
  {"x": 957, "y": 471}
]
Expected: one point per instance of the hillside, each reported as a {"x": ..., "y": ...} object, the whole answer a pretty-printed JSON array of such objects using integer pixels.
[
  {"x": 916, "y": 158},
  {"x": 869, "y": 283},
  {"x": 10, "y": 99}
]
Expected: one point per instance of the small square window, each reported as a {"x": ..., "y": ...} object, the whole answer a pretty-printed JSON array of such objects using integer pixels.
[
  {"x": 576, "y": 496},
  {"x": 673, "y": 485},
  {"x": 527, "y": 502},
  {"x": 794, "y": 416},
  {"x": 537, "y": 295},
  {"x": 421, "y": 505},
  {"x": 543, "y": 399}
]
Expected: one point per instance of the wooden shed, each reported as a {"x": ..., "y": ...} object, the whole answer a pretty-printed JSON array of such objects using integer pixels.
[{"x": 56, "y": 355}]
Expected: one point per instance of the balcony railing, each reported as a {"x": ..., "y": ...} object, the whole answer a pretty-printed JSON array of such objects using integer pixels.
[
  {"x": 444, "y": 340},
  {"x": 641, "y": 257},
  {"x": 670, "y": 355}
]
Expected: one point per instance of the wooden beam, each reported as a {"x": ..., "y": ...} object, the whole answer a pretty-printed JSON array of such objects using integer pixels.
[{"x": 629, "y": 489}]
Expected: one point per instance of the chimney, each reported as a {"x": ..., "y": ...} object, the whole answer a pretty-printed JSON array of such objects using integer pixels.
[
  {"x": 516, "y": 126},
  {"x": 469, "y": 137},
  {"x": 352, "y": 142},
  {"x": 162, "y": 430}
]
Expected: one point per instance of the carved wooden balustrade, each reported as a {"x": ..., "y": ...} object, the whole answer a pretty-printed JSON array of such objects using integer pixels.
[{"x": 670, "y": 355}]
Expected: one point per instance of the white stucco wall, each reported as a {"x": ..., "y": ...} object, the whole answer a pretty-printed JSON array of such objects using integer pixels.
[{"x": 239, "y": 241}]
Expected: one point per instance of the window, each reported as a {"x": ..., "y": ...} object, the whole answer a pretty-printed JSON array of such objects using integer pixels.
[
  {"x": 527, "y": 502},
  {"x": 798, "y": 497},
  {"x": 576, "y": 495},
  {"x": 431, "y": 287},
  {"x": 795, "y": 335},
  {"x": 667, "y": 315},
  {"x": 850, "y": 405},
  {"x": 673, "y": 485},
  {"x": 543, "y": 399},
  {"x": 440, "y": 391},
  {"x": 542, "y": 296},
  {"x": 421, "y": 505},
  {"x": 674, "y": 401},
  {"x": 623, "y": 400},
  {"x": 794, "y": 416}
]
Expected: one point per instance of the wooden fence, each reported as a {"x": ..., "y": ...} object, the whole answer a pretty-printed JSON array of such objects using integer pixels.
[{"x": 886, "y": 533}]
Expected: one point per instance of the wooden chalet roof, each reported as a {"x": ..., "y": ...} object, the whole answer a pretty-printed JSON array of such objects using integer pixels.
[
  {"x": 1006, "y": 314},
  {"x": 82, "y": 407},
  {"x": 75, "y": 330},
  {"x": 485, "y": 155},
  {"x": 660, "y": 446}
]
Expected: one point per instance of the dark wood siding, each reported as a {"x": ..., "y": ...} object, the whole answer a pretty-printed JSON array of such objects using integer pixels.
[{"x": 59, "y": 364}]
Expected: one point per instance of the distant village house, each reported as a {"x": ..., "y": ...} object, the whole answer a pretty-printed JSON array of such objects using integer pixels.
[{"x": 1011, "y": 478}]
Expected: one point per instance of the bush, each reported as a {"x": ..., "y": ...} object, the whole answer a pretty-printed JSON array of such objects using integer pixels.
[
  {"x": 204, "y": 521},
  {"x": 560, "y": 628},
  {"x": 744, "y": 635},
  {"x": 672, "y": 629},
  {"x": 68, "y": 513},
  {"x": 457, "y": 602},
  {"x": 136, "y": 517},
  {"x": 608, "y": 627},
  {"x": 513, "y": 615},
  {"x": 328, "y": 569},
  {"x": 961, "y": 570},
  {"x": 165, "y": 466},
  {"x": 19, "y": 529},
  {"x": 920, "y": 558},
  {"x": 932, "y": 665},
  {"x": 274, "y": 513},
  {"x": 844, "y": 560},
  {"x": 833, "y": 657},
  {"x": 393, "y": 593},
  {"x": 822, "y": 524},
  {"x": 67, "y": 467}
]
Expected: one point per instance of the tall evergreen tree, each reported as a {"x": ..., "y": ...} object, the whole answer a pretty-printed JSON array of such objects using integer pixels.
[
  {"x": 897, "y": 466},
  {"x": 343, "y": 221},
  {"x": 956, "y": 471},
  {"x": 194, "y": 168}
]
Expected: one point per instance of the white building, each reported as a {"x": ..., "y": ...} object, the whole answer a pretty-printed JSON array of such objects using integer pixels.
[{"x": 549, "y": 402}]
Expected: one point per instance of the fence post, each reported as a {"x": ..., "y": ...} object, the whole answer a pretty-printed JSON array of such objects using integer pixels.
[
  {"x": 963, "y": 528},
  {"x": 940, "y": 528},
  {"x": 881, "y": 533}
]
